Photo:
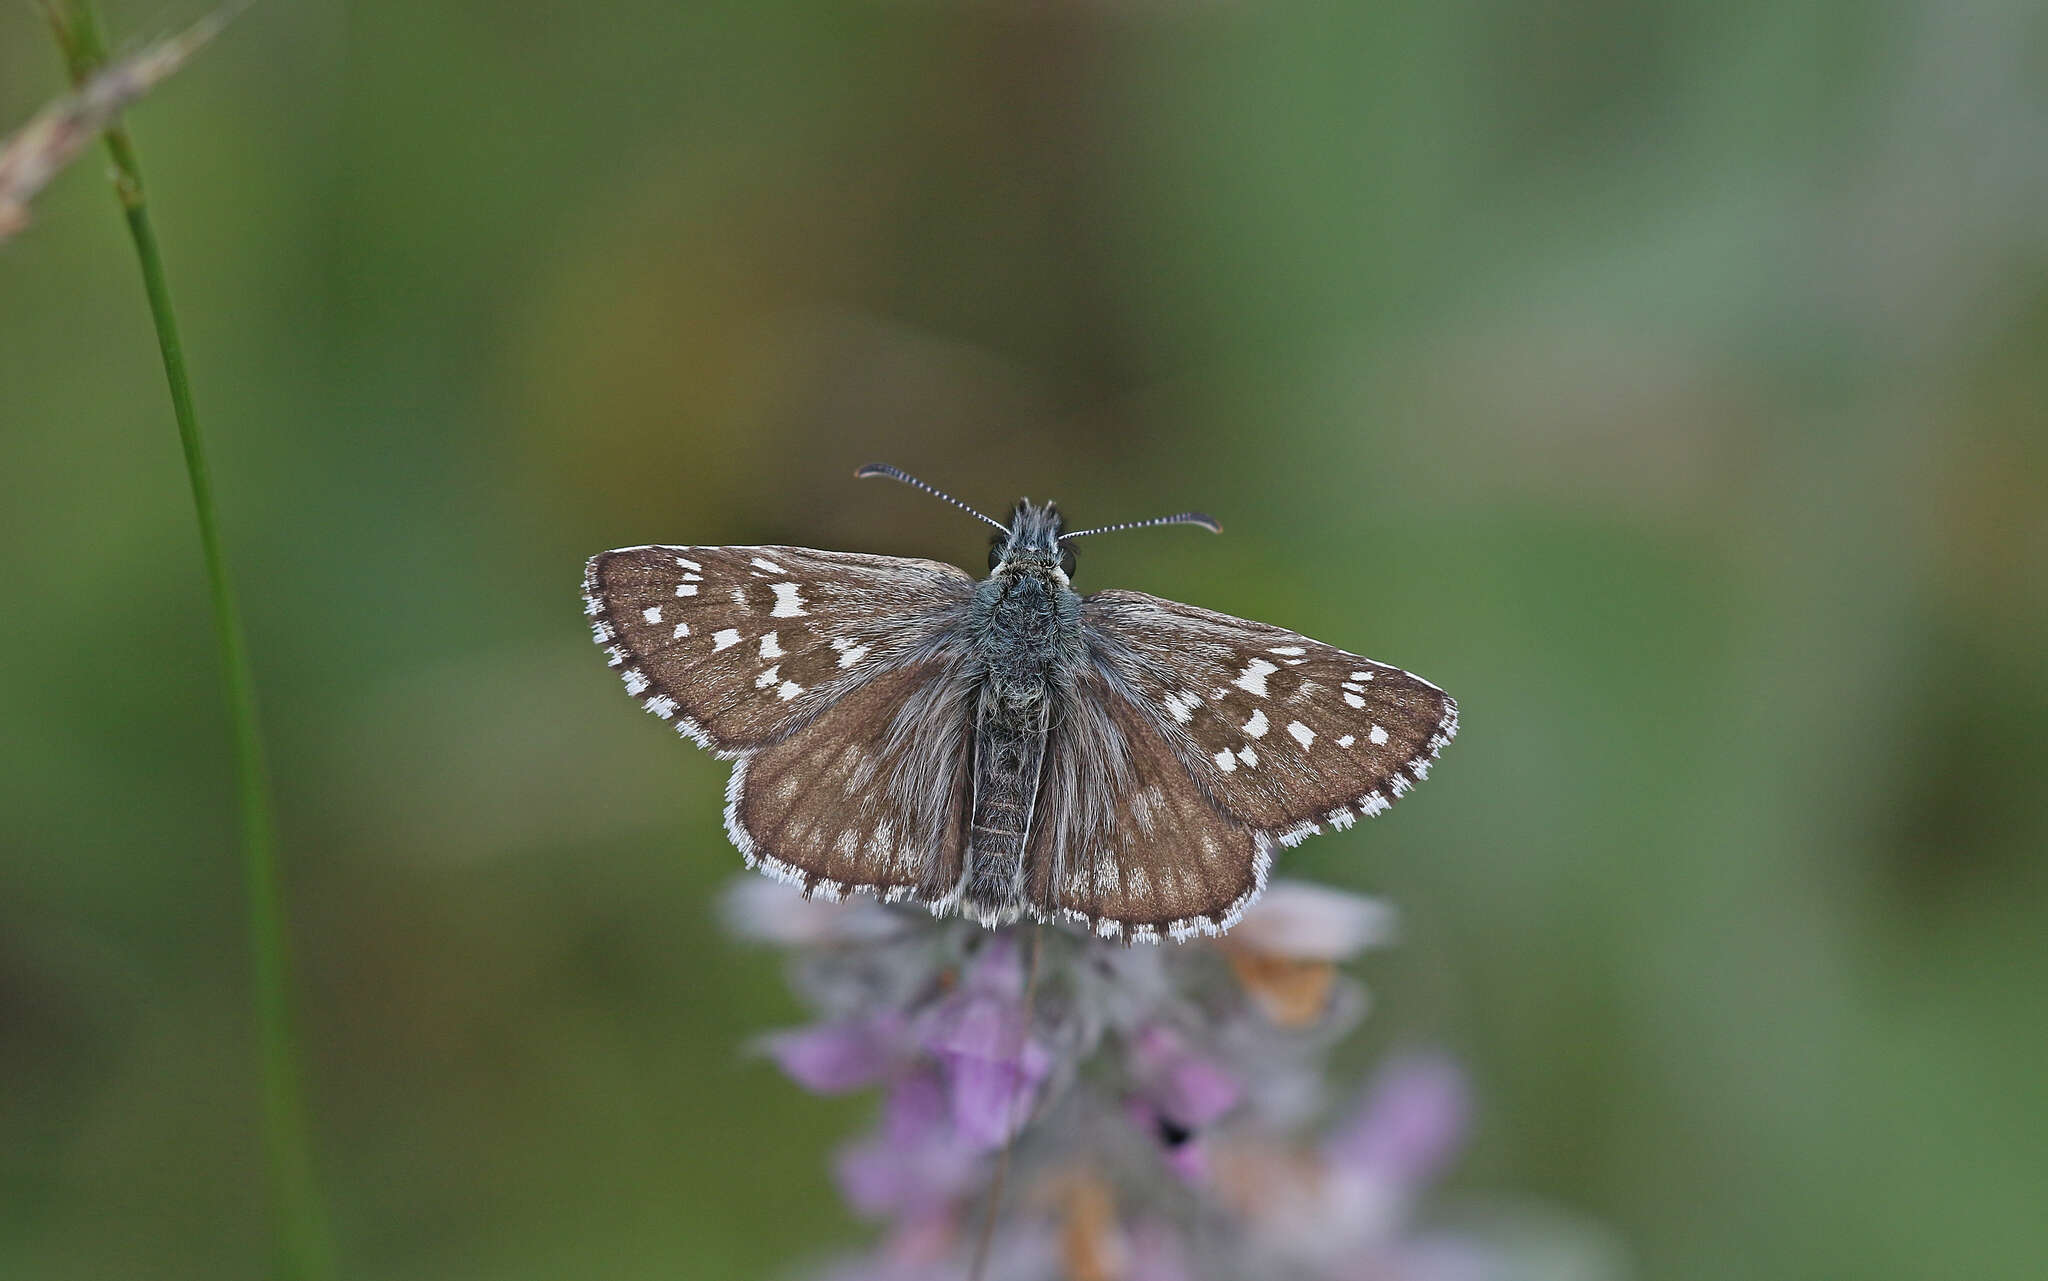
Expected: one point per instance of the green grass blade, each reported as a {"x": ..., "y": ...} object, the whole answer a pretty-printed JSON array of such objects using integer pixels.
[{"x": 304, "y": 1249}]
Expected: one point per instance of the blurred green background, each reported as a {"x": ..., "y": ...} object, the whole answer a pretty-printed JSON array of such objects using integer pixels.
[{"x": 1665, "y": 380}]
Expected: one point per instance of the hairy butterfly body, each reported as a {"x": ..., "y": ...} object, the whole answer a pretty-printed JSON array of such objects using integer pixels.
[{"x": 1008, "y": 747}]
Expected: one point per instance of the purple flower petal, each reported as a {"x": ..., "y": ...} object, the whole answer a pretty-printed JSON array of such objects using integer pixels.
[
  {"x": 914, "y": 1165},
  {"x": 1197, "y": 1092},
  {"x": 993, "y": 1068},
  {"x": 832, "y": 1058},
  {"x": 916, "y": 1110},
  {"x": 880, "y": 1178},
  {"x": 1413, "y": 1120},
  {"x": 978, "y": 1026},
  {"x": 997, "y": 970},
  {"x": 1191, "y": 1088},
  {"x": 991, "y": 1099},
  {"x": 1190, "y": 1161}
]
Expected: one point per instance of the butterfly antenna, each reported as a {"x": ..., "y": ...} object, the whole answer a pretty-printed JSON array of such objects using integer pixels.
[
  {"x": 884, "y": 469},
  {"x": 1179, "y": 518}
]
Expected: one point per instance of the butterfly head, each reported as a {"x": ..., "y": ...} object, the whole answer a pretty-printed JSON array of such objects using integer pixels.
[
  {"x": 1035, "y": 541},
  {"x": 1031, "y": 542}
]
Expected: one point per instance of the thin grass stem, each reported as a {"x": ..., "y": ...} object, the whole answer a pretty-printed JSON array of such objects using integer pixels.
[{"x": 304, "y": 1251}]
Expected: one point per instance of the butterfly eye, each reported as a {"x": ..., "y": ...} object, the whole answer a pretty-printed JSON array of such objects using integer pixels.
[{"x": 1066, "y": 560}]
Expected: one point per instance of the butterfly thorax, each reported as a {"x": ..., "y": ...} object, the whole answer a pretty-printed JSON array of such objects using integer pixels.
[{"x": 1025, "y": 625}]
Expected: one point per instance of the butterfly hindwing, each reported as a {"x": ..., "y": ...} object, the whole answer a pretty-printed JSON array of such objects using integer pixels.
[
  {"x": 1286, "y": 734},
  {"x": 736, "y": 646},
  {"x": 869, "y": 796},
  {"x": 1128, "y": 840}
]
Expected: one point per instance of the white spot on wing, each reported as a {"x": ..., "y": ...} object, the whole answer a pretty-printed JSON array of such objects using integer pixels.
[
  {"x": 769, "y": 677},
  {"x": 1252, "y": 680},
  {"x": 1353, "y": 700},
  {"x": 684, "y": 562},
  {"x": 1225, "y": 761},
  {"x": 1256, "y": 726},
  {"x": 1141, "y": 808},
  {"x": 652, "y": 613},
  {"x": 636, "y": 682},
  {"x": 682, "y": 629},
  {"x": 724, "y": 640},
  {"x": 1302, "y": 733},
  {"x": 1247, "y": 755},
  {"x": 1346, "y": 741},
  {"x": 769, "y": 565},
  {"x": 1378, "y": 736},
  {"x": 789, "y": 603},
  {"x": 662, "y": 705},
  {"x": 1361, "y": 676},
  {"x": 788, "y": 690},
  {"x": 771, "y": 646},
  {"x": 686, "y": 589},
  {"x": 1288, "y": 651},
  {"x": 849, "y": 652}
]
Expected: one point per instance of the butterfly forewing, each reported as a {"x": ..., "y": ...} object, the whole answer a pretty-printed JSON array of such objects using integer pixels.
[
  {"x": 1286, "y": 734},
  {"x": 736, "y": 646}
]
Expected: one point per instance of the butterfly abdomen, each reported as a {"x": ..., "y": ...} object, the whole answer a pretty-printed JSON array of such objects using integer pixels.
[{"x": 1009, "y": 751}]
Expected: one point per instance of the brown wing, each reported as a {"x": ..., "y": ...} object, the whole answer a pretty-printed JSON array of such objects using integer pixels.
[
  {"x": 1127, "y": 840},
  {"x": 1284, "y": 733},
  {"x": 736, "y": 646},
  {"x": 870, "y": 796}
]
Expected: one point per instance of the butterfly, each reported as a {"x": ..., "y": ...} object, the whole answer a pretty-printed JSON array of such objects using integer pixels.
[{"x": 1006, "y": 747}]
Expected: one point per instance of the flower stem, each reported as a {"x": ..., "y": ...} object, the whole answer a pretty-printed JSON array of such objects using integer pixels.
[
  {"x": 303, "y": 1248},
  {"x": 979, "y": 1267}
]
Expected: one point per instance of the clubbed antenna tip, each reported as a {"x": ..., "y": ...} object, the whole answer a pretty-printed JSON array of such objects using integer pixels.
[
  {"x": 1206, "y": 521},
  {"x": 884, "y": 469}
]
